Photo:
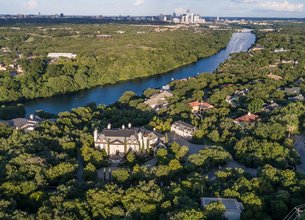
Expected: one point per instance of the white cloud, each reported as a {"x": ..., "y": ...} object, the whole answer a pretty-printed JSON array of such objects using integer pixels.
[
  {"x": 180, "y": 11},
  {"x": 281, "y": 6},
  {"x": 138, "y": 2},
  {"x": 31, "y": 4}
]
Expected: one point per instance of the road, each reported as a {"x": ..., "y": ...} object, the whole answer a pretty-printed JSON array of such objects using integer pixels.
[{"x": 300, "y": 147}]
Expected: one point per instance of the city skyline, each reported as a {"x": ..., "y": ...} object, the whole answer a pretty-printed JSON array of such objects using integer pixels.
[{"x": 225, "y": 8}]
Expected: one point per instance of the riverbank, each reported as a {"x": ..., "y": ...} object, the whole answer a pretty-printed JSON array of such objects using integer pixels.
[
  {"x": 104, "y": 62},
  {"x": 240, "y": 42}
]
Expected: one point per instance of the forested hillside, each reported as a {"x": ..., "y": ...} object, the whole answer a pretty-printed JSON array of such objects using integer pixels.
[{"x": 133, "y": 51}]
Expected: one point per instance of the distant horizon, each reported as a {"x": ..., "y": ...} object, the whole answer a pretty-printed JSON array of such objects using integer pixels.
[
  {"x": 155, "y": 15},
  {"x": 206, "y": 8}
]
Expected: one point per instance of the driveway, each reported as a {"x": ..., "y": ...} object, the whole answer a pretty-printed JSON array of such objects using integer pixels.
[
  {"x": 300, "y": 147},
  {"x": 193, "y": 148}
]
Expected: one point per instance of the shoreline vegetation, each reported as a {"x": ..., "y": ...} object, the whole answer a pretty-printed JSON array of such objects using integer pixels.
[{"x": 132, "y": 52}]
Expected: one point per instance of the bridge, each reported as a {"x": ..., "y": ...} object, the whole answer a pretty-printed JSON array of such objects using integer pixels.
[{"x": 296, "y": 213}]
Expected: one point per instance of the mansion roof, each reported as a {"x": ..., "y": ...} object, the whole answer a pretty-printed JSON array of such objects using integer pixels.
[{"x": 120, "y": 136}]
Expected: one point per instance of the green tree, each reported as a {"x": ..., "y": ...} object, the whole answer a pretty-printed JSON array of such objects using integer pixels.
[
  {"x": 121, "y": 175},
  {"x": 255, "y": 105}
]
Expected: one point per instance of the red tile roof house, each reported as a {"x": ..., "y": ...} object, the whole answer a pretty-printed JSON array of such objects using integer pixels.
[
  {"x": 248, "y": 118},
  {"x": 200, "y": 106}
]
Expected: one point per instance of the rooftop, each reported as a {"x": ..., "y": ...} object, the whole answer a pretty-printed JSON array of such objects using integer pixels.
[
  {"x": 158, "y": 99},
  {"x": 246, "y": 118},
  {"x": 275, "y": 77},
  {"x": 293, "y": 90},
  {"x": 201, "y": 104},
  {"x": 183, "y": 125}
]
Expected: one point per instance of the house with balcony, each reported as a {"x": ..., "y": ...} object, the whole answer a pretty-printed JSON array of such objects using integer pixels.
[
  {"x": 25, "y": 124},
  {"x": 118, "y": 142},
  {"x": 183, "y": 129}
]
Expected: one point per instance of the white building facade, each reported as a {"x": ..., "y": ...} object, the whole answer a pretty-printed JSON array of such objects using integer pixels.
[
  {"x": 121, "y": 141},
  {"x": 183, "y": 129}
]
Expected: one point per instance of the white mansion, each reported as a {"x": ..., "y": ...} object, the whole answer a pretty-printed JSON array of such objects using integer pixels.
[{"x": 117, "y": 142}]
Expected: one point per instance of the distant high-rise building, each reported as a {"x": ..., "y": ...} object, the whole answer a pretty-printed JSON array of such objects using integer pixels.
[
  {"x": 188, "y": 11},
  {"x": 174, "y": 15}
]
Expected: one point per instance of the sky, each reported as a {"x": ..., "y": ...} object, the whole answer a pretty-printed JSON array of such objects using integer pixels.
[{"x": 221, "y": 8}]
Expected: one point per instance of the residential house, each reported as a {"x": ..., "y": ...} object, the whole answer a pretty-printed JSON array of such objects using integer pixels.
[
  {"x": 118, "y": 142},
  {"x": 25, "y": 124},
  {"x": 274, "y": 77},
  {"x": 233, "y": 99},
  {"x": 2, "y": 67},
  {"x": 19, "y": 69},
  {"x": 233, "y": 208},
  {"x": 183, "y": 129},
  {"x": 281, "y": 50},
  {"x": 166, "y": 87},
  {"x": 200, "y": 106},
  {"x": 104, "y": 36},
  {"x": 6, "y": 50},
  {"x": 248, "y": 118},
  {"x": 270, "y": 107},
  {"x": 59, "y": 55},
  {"x": 257, "y": 48},
  {"x": 158, "y": 100},
  {"x": 299, "y": 97},
  {"x": 292, "y": 91},
  {"x": 287, "y": 61},
  {"x": 120, "y": 32}
]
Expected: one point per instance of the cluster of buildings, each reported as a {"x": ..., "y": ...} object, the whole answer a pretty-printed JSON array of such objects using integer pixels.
[
  {"x": 14, "y": 69},
  {"x": 185, "y": 18}
]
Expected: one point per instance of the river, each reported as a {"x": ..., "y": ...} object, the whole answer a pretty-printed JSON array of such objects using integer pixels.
[{"x": 240, "y": 42}]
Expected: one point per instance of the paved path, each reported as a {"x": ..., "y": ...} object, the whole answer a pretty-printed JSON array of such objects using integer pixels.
[
  {"x": 300, "y": 147},
  {"x": 193, "y": 148}
]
